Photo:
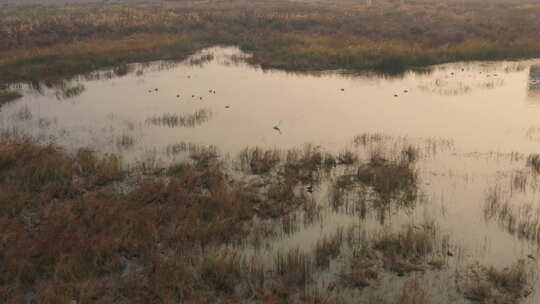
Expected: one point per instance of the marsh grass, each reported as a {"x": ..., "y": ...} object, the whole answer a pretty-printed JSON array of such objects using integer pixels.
[
  {"x": 67, "y": 92},
  {"x": 519, "y": 219},
  {"x": 377, "y": 185},
  {"x": 413, "y": 292},
  {"x": 413, "y": 248},
  {"x": 389, "y": 178},
  {"x": 294, "y": 268},
  {"x": 81, "y": 226},
  {"x": 76, "y": 229},
  {"x": 492, "y": 285},
  {"x": 328, "y": 248},
  {"x": 308, "y": 165},
  {"x": 533, "y": 162},
  {"x": 7, "y": 96},
  {"x": 407, "y": 250},
  {"x": 221, "y": 271},
  {"x": 172, "y": 120},
  {"x": 125, "y": 141},
  {"x": 259, "y": 161},
  {"x": 386, "y": 36},
  {"x": 368, "y": 139}
]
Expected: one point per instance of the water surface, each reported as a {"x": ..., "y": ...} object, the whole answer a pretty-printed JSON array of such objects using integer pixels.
[{"x": 475, "y": 123}]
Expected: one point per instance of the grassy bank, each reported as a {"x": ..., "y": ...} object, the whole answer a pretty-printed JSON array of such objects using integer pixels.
[{"x": 48, "y": 42}]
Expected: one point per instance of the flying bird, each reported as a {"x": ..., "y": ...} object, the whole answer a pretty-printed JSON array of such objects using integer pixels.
[{"x": 276, "y": 127}]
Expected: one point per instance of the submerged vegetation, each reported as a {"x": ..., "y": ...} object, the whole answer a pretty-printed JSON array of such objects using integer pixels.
[
  {"x": 491, "y": 285},
  {"x": 386, "y": 35},
  {"x": 173, "y": 120}
]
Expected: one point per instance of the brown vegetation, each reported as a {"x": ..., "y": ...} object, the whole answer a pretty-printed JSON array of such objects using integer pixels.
[
  {"x": 490, "y": 285},
  {"x": 388, "y": 35},
  {"x": 8, "y": 96}
]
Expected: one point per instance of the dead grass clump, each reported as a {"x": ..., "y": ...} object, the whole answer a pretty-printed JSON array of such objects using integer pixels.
[
  {"x": 520, "y": 219},
  {"x": 330, "y": 161},
  {"x": 65, "y": 91},
  {"x": 280, "y": 198},
  {"x": 388, "y": 178},
  {"x": 415, "y": 248},
  {"x": 303, "y": 165},
  {"x": 204, "y": 156},
  {"x": 368, "y": 139},
  {"x": 533, "y": 162},
  {"x": 294, "y": 268},
  {"x": 100, "y": 171},
  {"x": 347, "y": 158},
  {"x": 409, "y": 155},
  {"x": 220, "y": 272},
  {"x": 491, "y": 285},
  {"x": 65, "y": 224},
  {"x": 172, "y": 120},
  {"x": 328, "y": 248},
  {"x": 409, "y": 250},
  {"x": 363, "y": 269},
  {"x": 180, "y": 148},
  {"x": 258, "y": 161},
  {"x": 39, "y": 169},
  {"x": 125, "y": 141},
  {"x": 413, "y": 293},
  {"x": 342, "y": 191}
]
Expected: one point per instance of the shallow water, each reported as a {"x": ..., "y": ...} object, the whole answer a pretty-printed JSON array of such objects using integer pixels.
[{"x": 474, "y": 122}]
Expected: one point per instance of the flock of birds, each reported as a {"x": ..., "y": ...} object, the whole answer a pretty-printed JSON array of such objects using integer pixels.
[
  {"x": 212, "y": 91},
  {"x": 277, "y": 126},
  {"x": 395, "y": 95}
]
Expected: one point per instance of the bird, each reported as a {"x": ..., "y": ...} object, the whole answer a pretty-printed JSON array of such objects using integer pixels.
[
  {"x": 200, "y": 98},
  {"x": 192, "y": 96},
  {"x": 342, "y": 90},
  {"x": 449, "y": 253},
  {"x": 395, "y": 95},
  {"x": 178, "y": 96},
  {"x": 309, "y": 188},
  {"x": 530, "y": 256},
  {"x": 226, "y": 107},
  {"x": 405, "y": 91},
  {"x": 156, "y": 89},
  {"x": 276, "y": 127}
]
